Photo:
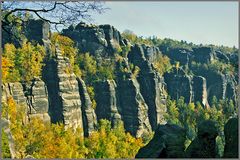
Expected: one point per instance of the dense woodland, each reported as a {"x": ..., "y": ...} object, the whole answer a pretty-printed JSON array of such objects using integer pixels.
[{"x": 43, "y": 140}]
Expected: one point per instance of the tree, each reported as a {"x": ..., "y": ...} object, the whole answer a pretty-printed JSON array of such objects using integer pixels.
[
  {"x": 62, "y": 13},
  {"x": 162, "y": 64},
  {"x": 128, "y": 34}
]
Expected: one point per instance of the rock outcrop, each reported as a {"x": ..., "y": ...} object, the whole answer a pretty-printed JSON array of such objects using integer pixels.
[
  {"x": 88, "y": 113},
  {"x": 150, "y": 80},
  {"x": 231, "y": 139},
  {"x": 37, "y": 99},
  {"x": 138, "y": 100},
  {"x": 203, "y": 55},
  {"x": 179, "y": 84},
  {"x": 100, "y": 41},
  {"x": 16, "y": 91},
  {"x": 62, "y": 86},
  {"x": 168, "y": 142},
  {"x": 105, "y": 95},
  {"x": 204, "y": 145},
  {"x": 37, "y": 30},
  {"x": 134, "y": 110}
]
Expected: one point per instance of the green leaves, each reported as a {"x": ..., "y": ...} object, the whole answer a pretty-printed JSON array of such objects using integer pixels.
[{"x": 22, "y": 64}]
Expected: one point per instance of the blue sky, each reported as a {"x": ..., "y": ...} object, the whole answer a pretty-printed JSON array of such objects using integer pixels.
[{"x": 197, "y": 22}]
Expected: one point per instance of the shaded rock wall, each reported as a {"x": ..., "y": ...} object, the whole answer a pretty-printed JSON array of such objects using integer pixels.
[
  {"x": 105, "y": 94},
  {"x": 168, "y": 142},
  {"x": 88, "y": 113},
  {"x": 204, "y": 145},
  {"x": 231, "y": 139},
  {"x": 151, "y": 84},
  {"x": 179, "y": 84},
  {"x": 134, "y": 110}
]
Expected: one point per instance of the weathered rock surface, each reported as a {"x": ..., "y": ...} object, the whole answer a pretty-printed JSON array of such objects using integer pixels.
[
  {"x": 204, "y": 145},
  {"x": 16, "y": 91},
  {"x": 200, "y": 90},
  {"x": 220, "y": 85},
  {"x": 231, "y": 139},
  {"x": 150, "y": 80},
  {"x": 88, "y": 113},
  {"x": 179, "y": 54},
  {"x": 37, "y": 99},
  {"x": 105, "y": 94},
  {"x": 203, "y": 54},
  {"x": 64, "y": 97},
  {"x": 133, "y": 108},
  {"x": 168, "y": 142},
  {"x": 179, "y": 84},
  {"x": 101, "y": 41},
  {"x": 37, "y": 30}
]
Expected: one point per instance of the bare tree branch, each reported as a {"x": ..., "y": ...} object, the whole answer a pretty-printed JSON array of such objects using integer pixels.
[{"x": 63, "y": 13}]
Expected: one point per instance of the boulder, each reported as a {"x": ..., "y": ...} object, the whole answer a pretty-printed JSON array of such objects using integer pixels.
[
  {"x": 167, "y": 142},
  {"x": 204, "y": 145},
  {"x": 231, "y": 139}
]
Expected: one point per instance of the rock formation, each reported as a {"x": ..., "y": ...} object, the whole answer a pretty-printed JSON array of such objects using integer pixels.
[
  {"x": 134, "y": 110},
  {"x": 62, "y": 86},
  {"x": 150, "y": 80},
  {"x": 37, "y": 99},
  {"x": 88, "y": 113},
  {"x": 107, "y": 101},
  {"x": 168, "y": 142},
  {"x": 231, "y": 139},
  {"x": 138, "y": 100},
  {"x": 204, "y": 145}
]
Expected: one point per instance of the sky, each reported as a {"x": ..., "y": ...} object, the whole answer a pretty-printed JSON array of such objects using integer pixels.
[{"x": 197, "y": 22}]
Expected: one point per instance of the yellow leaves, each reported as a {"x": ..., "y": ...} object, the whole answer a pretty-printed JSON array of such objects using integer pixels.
[
  {"x": 23, "y": 63},
  {"x": 162, "y": 64},
  {"x": 66, "y": 46},
  {"x": 45, "y": 140},
  {"x": 177, "y": 65},
  {"x": 30, "y": 60}
]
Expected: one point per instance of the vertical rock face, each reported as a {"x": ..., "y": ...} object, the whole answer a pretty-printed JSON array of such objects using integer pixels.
[
  {"x": 100, "y": 41},
  {"x": 179, "y": 84},
  {"x": 106, "y": 99},
  {"x": 65, "y": 103},
  {"x": 134, "y": 110},
  {"x": 16, "y": 91},
  {"x": 200, "y": 90},
  {"x": 231, "y": 138},
  {"x": 33, "y": 96},
  {"x": 179, "y": 54},
  {"x": 203, "y": 54},
  {"x": 88, "y": 113},
  {"x": 168, "y": 142},
  {"x": 149, "y": 80},
  {"x": 219, "y": 85},
  {"x": 37, "y": 100},
  {"x": 37, "y": 30}
]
